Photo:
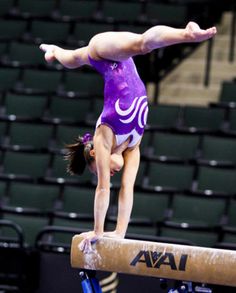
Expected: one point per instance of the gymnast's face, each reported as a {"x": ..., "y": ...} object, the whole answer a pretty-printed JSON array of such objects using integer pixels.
[{"x": 116, "y": 164}]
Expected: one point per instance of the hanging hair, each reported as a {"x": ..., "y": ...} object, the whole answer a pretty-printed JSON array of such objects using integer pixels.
[{"x": 78, "y": 154}]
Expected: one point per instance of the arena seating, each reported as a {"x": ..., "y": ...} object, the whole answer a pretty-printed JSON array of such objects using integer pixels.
[{"x": 185, "y": 190}]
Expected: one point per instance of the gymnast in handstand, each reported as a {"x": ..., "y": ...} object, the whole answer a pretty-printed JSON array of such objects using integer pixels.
[{"x": 119, "y": 129}]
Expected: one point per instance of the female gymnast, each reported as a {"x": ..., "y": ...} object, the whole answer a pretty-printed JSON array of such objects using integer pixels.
[{"x": 119, "y": 129}]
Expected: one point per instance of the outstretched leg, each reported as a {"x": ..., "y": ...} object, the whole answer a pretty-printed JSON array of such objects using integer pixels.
[{"x": 119, "y": 46}]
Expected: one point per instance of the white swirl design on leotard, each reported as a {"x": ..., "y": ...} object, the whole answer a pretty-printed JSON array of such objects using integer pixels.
[
  {"x": 140, "y": 109},
  {"x": 127, "y": 111},
  {"x": 144, "y": 110}
]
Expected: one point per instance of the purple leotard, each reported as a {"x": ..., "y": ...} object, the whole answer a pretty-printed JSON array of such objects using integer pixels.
[{"x": 125, "y": 100}]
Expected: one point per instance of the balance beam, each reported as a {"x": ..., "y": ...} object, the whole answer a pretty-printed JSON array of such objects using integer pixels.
[{"x": 168, "y": 261}]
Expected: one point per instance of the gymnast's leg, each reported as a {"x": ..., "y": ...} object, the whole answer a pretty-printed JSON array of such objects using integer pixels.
[{"x": 119, "y": 46}]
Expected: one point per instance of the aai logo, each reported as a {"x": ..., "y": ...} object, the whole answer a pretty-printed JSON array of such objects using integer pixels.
[{"x": 154, "y": 259}]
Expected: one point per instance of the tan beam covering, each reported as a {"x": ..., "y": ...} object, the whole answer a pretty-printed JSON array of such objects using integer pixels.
[{"x": 170, "y": 261}]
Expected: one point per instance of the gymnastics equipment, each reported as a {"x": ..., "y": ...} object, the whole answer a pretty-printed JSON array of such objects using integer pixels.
[{"x": 168, "y": 261}]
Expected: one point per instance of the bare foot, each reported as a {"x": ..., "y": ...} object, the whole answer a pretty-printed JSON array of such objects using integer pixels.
[{"x": 196, "y": 34}]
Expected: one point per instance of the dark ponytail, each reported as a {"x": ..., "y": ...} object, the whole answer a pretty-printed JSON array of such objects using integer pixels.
[{"x": 78, "y": 154}]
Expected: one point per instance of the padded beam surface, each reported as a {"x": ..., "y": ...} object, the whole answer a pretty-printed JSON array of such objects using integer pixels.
[{"x": 170, "y": 261}]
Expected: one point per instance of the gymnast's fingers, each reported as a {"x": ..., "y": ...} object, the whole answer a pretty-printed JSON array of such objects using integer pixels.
[{"x": 82, "y": 245}]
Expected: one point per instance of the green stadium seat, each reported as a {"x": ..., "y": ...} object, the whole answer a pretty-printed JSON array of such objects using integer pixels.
[
  {"x": 40, "y": 81},
  {"x": 8, "y": 78},
  {"x": 83, "y": 84},
  {"x": 198, "y": 210},
  {"x": 204, "y": 237},
  {"x": 6, "y": 7},
  {"x": 3, "y": 189},
  {"x": 3, "y": 132},
  {"x": 231, "y": 216},
  {"x": 162, "y": 116},
  {"x": 49, "y": 31},
  {"x": 68, "y": 110},
  {"x": 165, "y": 13},
  {"x": 25, "y": 165},
  {"x": 24, "y": 55},
  {"x": 229, "y": 238},
  {"x": 170, "y": 177},
  {"x": 78, "y": 200},
  {"x": 216, "y": 150},
  {"x": 120, "y": 11},
  {"x": 42, "y": 197},
  {"x": 30, "y": 136},
  {"x": 174, "y": 147},
  {"x": 152, "y": 206},
  {"x": 12, "y": 29},
  {"x": 77, "y": 10},
  {"x": 213, "y": 180},
  {"x": 202, "y": 119},
  {"x": 24, "y": 106},
  {"x": 227, "y": 93},
  {"x": 3, "y": 50},
  {"x": 96, "y": 109},
  {"x": 232, "y": 121},
  {"x": 40, "y": 9}
]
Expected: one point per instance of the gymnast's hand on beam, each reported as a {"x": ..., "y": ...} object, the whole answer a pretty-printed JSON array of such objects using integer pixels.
[{"x": 89, "y": 238}]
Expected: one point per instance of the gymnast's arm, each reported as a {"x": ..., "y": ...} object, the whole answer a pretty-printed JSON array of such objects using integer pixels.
[
  {"x": 103, "y": 141},
  {"x": 68, "y": 58},
  {"x": 131, "y": 165}
]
